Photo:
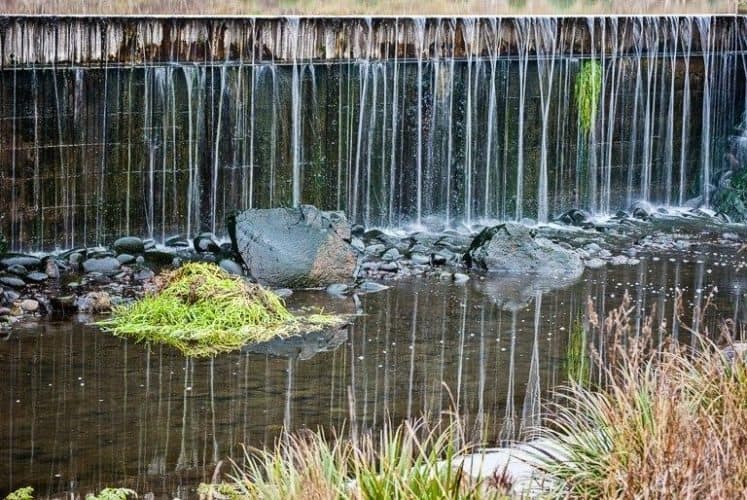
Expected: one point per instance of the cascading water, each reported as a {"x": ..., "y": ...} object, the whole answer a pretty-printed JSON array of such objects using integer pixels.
[{"x": 425, "y": 121}]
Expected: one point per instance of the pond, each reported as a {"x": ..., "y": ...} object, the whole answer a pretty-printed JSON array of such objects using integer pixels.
[{"x": 84, "y": 409}]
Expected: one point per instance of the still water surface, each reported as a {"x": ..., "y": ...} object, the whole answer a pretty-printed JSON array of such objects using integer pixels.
[{"x": 82, "y": 409}]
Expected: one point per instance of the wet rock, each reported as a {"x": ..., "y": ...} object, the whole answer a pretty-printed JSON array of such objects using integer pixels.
[
  {"x": 177, "y": 242},
  {"x": 420, "y": 259},
  {"x": 65, "y": 304},
  {"x": 371, "y": 287},
  {"x": 51, "y": 269},
  {"x": 5, "y": 311},
  {"x": 159, "y": 257},
  {"x": 460, "y": 278},
  {"x": 140, "y": 260},
  {"x": 642, "y": 210},
  {"x": 513, "y": 249},
  {"x": 375, "y": 250},
  {"x": 125, "y": 259},
  {"x": 143, "y": 274},
  {"x": 358, "y": 244},
  {"x": 283, "y": 293},
  {"x": 574, "y": 217},
  {"x": 29, "y": 306},
  {"x": 18, "y": 270},
  {"x": 338, "y": 289},
  {"x": 391, "y": 255},
  {"x": 12, "y": 281},
  {"x": 129, "y": 245},
  {"x": 205, "y": 243},
  {"x": 103, "y": 265},
  {"x": 390, "y": 267},
  {"x": 16, "y": 259},
  {"x": 357, "y": 230},
  {"x": 94, "y": 302},
  {"x": 294, "y": 247},
  {"x": 149, "y": 244},
  {"x": 231, "y": 267},
  {"x": 11, "y": 296},
  {"x": 619, "y": 260},
  {"x": 37, "y": 277},
  {"x": 595, "y": 263}
]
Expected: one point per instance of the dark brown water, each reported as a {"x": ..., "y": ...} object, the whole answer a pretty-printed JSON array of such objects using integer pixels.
[{"x": 82, "y": 410}]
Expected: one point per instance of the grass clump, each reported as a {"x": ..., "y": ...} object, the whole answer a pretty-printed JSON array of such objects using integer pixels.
[
  {"x": 25, "y": 493},
  {"x": 588, "y": 90},
  {"x": 410, "y": 461},
  {"x": 113, "y": 494},
  {"x": 202, "y": 311},
  {"x": 669, "y": 421}
]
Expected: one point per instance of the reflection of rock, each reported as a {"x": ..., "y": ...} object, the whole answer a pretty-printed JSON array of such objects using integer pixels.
[
  {"x": 513, "y": 249},
  {"x": 513, "y": 292},
  {"x": 301, "y": 346},
  {"x": 294, "y": 247}
]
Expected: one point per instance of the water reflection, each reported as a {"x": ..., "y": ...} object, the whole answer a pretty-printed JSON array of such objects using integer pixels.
[{"x": 83, "y": 409}]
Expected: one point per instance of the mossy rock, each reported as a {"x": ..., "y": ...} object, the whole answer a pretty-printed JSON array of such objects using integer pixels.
[{"x": 202, "y": 310}]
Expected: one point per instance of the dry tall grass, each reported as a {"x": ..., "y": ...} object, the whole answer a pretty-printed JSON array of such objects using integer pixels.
[
  {"x": 366, "y": 7},
  {"x": 670, "y": 422}
]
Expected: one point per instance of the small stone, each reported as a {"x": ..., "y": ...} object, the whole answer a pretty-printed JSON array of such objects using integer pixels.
[
  {"x": 143, "y": 274},
  {"x": 63, "y": 304},
  {"x": 391, "y": 267},
  {"x": 231, "y": 267},
  {"x": 4, "y": 311},
  {"x": 27, "y": 261},
  {"x": 18, "y": 270},
  {"x": 177, "y": 242},
  {"x": 159, "y": 257},
  {"x": 103, "y": 265},
  {"x": 29, "y": 306},
  {"x": 205, "y": 243},
  {"x": 460, "y": 278},
  {"x": 375, "y": 250},
  {"x": 358, "y": 244},
  {"x": 391, "y": 255},
  {"x": 149, "y": 244},
  {"x": 94, "y": 302},
  {"x": 37, "y": 277},
  {"x": 51, "y": 269},
  {"x": 129, "y": 245},
  {"x": 594, "y": 263},
  {"x": 12, "y": 281},
  {"x": 420, "y": 259},
  {"x": 338, "y": 289},
  {"x": 619, "y": 260},
  {"x": 371, "y": 287},
  {"x": 125, "y": 258}
]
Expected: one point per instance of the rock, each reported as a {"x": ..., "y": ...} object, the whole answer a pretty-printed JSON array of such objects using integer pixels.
[
  {"x": 104, "y": 265},
  {"x": 37, "y": 277},
  {"x": 159, "y": 257},
  {"x": 358, "y": 244},
  {"x": 11, "y": 296},
  {"x": 231, "y": 267},
  {"x": 177, "y": 242},
  {"x": 594, "y": 263},
  {"x": 143, "y": 274},
  {"x": 294, "y": 247},
  {"x": 371, "y": 287},
  {"x": 460, "y": 278},
  {"x": 420, "y": 259},
  {"x": 642, "y": 210},
  {"x": 574, "y": 217},
  {"x": 301, "y": 346},
  {"x": 513, "y": 249},
  {"x": 63, "y": 304},
  {"x": 51, "y": 269},
  {"x": 283, "y": 293},
  {"x": 5, "y": 311},
  {"x": 94, "y": 302},
  {"x": 125, "y": 258},
  {"x": 129, "y": 245},
  {"x": 391, "y": 255},
  {"x": 18, "y": 270},
  {"x": 29, "y": 306},
  {"x": 27, "y": 261},
  {"x": 12, "y": 281},
  {"x": 375, "y": 250},
  {"x": 338, "y": 289},
  {"x": 390, "y": 267},
  {"x": 205, "y": 243},
  {"x": 357, "y": 230},
  {"x": 619, "y": 260}
]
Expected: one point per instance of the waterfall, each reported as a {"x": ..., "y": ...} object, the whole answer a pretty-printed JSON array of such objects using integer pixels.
[{"x": 424, "y": 121}]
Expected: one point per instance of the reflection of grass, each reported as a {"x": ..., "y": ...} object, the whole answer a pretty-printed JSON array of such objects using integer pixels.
[
  {"x": 202, "y": 311},
  {"x": 577, "y": 358},
  {"x": 371, "y": 7}
]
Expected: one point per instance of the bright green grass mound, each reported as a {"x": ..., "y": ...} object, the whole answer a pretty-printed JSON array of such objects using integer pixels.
[{"x": 202, "y": 311}]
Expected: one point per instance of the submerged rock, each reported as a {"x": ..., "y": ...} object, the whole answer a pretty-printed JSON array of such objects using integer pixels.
[
  {"x": 513, "y": 249},
  {"x": 294, "y": 247},
  {"x": 301, "y": 347},
  {"x": 104, "y": 265}
]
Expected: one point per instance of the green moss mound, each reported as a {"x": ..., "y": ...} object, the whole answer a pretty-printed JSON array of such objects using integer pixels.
[{"x": 202, "y": 311}]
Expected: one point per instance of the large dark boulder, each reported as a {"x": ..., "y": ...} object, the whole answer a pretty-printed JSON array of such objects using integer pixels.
[
  {"x": 294, "y": 247},
  {"x": 515, "y": 249}
]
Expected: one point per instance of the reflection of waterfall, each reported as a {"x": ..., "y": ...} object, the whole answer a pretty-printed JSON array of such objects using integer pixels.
[{"x": 410, "y": 121}]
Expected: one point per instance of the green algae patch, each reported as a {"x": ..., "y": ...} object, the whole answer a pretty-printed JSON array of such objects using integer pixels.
[{"x": 203, "y": 311}]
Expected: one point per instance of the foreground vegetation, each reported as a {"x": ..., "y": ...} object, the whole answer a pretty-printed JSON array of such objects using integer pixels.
[
  {"x": 369, "y": 7},
  {"x": 202, "y": 311},
  {"x": 663, "y": 420}
]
